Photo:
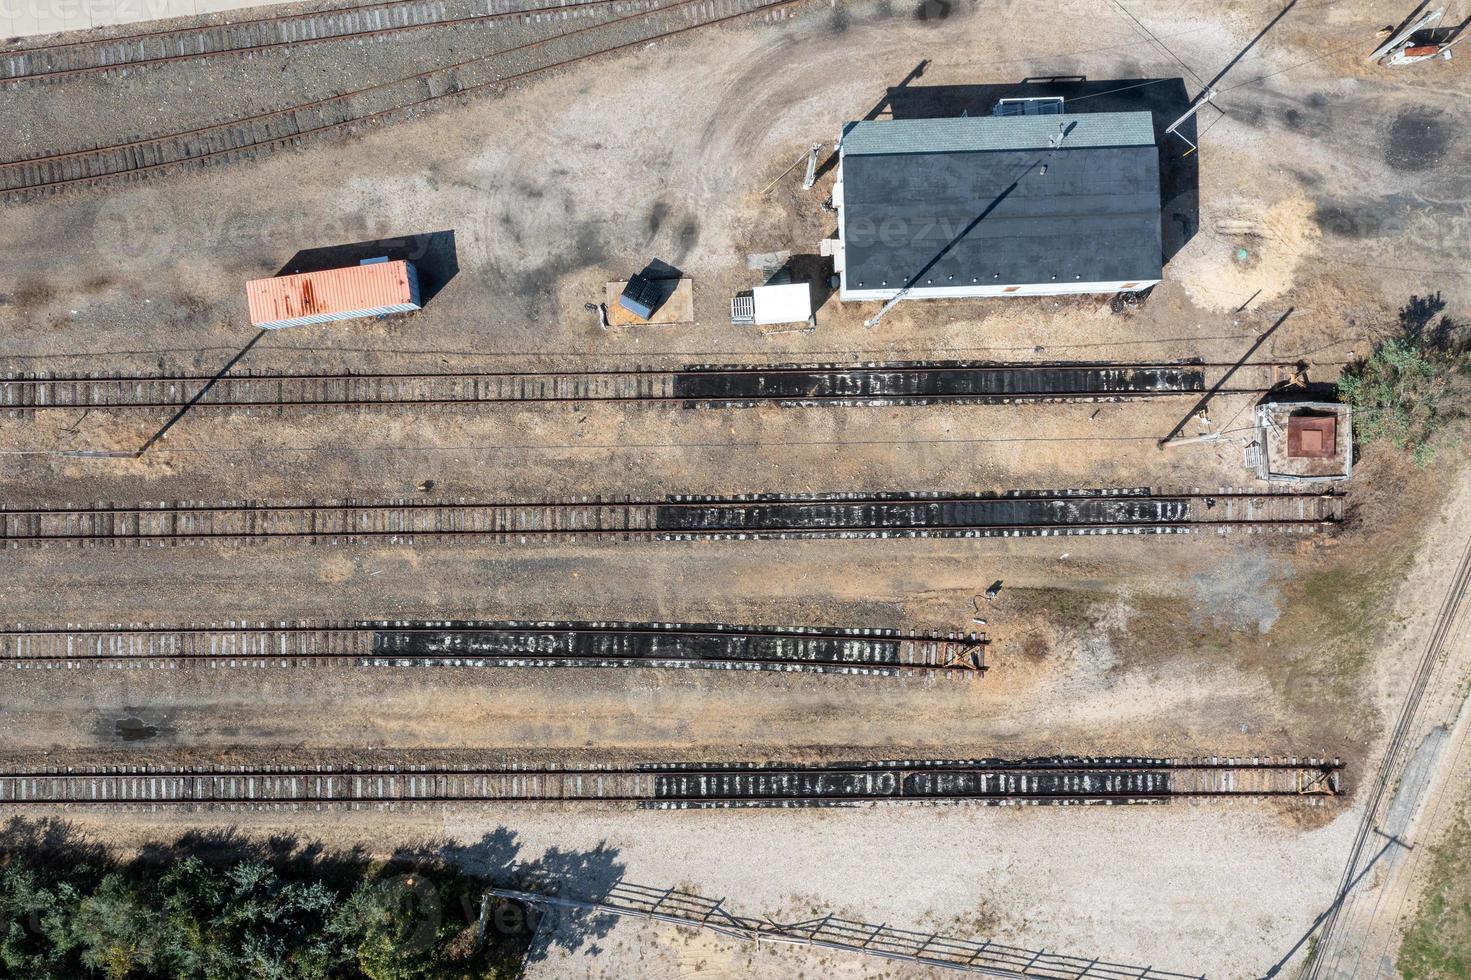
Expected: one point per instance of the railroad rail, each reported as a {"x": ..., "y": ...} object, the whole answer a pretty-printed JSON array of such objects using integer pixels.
[
  {"x": 896, "y": 383},
  {"x": 1333, "y": 944},
  {"x": 680, "y": 517},
  {"x": 468, "y": 643},
  {"x": 95, "y": 55},
  {"x": 248, "y": 137},
  {"x": 679, "y": 786}
]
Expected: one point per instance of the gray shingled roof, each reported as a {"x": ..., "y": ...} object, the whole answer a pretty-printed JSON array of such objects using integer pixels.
[
  {"x": 991, "y": 216},
  {"x": 964, "y": 135}
]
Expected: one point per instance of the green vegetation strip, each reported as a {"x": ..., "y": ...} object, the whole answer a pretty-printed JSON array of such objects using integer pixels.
[
  {"x": 1437, "y": 942},
  {"x": 1412, "y": 386},
  {"x": 76, "y": 913}
]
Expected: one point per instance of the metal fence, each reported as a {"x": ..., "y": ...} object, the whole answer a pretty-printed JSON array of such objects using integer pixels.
[{"x": 830, "y": 932}]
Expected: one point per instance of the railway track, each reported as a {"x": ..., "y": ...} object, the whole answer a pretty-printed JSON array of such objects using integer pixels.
[
  {"x": 688, "y": 786},
  {"x": 428, "y": 643},
  {"x": 90, "y": 56},
  {"x": 248, "y": 137},
  {"x": 711, "y": 386},
  {"x": 901, "y": 383},
  {"x": 680, "y": 518},
  {"x": 1333, "y": 945}
]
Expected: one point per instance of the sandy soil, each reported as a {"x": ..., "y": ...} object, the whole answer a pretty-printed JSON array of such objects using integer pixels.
[
  {"x": 1340, "y": 182},
  {"x": 972, "y": 871},
  {"x": 1426, "y": 789}
]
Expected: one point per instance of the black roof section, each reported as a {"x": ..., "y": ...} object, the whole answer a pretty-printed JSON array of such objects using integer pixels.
[{"x": 973, "y": 193}]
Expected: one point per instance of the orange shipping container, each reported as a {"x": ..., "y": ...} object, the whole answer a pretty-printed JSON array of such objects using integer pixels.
[{"x": 371, "y": 289}]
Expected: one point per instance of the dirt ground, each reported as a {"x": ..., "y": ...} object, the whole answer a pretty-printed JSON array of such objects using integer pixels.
[
  {"x": 1403, "y": 871},
  {"x": 1354, "y": 191}
]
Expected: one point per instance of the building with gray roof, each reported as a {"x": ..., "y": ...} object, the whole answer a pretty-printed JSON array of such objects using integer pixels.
[{"x": 1024, "y": 205}]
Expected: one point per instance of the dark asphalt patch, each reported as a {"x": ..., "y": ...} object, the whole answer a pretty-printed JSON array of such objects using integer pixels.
[
  {"x": 657, "y": 214},
  {"x": 1417, "y": 140},
  {"x": 689, "y": 237},
  {"x": 1362, "y": 219},
  {"x": 131, "y": 729},
  {"x": 932, "y": 11}
]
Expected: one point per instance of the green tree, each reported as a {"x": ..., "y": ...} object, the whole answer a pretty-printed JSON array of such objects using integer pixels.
[
  {"x": 405, "y": 930},
  {"x": 115, "y": 927},
  {"x": 189, "y": 919},
  {"x": 277, "y": 929},
  {"x": 36, "y": 938},
  {"x": 186, "y": 897}
]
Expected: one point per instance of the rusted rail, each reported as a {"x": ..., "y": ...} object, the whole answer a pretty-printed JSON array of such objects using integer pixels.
[
  {"x": 679, "y": 518},
  {"x": 371, "y": 21},
  {"x": 471, "y": 644},
  {"x": 691, "y": 786},
  {"x": 248, "y": 137},
  {"x": 896, "y": 383}
]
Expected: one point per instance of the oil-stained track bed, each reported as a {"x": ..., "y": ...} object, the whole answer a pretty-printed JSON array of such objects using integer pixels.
[
  {"x": 693, "y": 785},
  {"x": 424, "y": 643},
  {"x": 681, "y": 518},
  {"x": 900, "y": 383}
]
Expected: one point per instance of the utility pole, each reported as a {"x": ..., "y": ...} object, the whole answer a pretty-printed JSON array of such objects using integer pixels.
[
  {"x": 873, "y": 321},
  {"x": 1402, "y": 37},
  {"x": 1207, "y": 96},
  {"x": 811, "y": 177}
]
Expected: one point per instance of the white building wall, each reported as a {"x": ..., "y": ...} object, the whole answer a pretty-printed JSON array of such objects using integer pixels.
[
  {"x": 302, "y": 321},
  {"x": 999, "y": 289}
]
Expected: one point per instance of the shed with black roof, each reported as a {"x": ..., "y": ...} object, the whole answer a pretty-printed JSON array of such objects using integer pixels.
[{"x": 1041, "y": 205}]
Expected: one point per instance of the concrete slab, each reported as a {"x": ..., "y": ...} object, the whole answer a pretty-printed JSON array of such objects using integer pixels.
[
  {"x": 676, "y": 306},
  {"x": 1399, "y": 819}
]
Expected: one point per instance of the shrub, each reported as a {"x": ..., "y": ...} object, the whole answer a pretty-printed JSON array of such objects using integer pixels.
[
  {"x": 242, "y": 920},
  {"x": 1405, "y": 393}
]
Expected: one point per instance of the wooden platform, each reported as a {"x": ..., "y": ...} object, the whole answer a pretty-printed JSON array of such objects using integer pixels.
[{"x": 676, "y": 306}]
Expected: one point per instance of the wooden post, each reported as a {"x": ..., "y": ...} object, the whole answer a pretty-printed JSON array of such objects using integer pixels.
[
  {"x": 1192, "y": 440},
  {"x": 660, "y": 902},
  {"x": 484, "y": 919},
  {"x": 811, "y": 177}
]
